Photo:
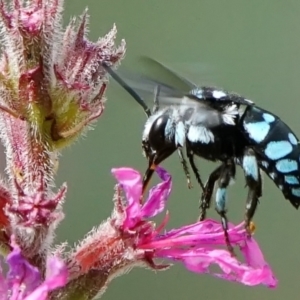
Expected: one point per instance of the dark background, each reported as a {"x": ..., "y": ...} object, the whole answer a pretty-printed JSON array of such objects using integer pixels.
[{"x": 250, "y": 47}]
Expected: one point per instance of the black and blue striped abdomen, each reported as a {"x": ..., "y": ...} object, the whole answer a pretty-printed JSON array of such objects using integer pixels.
[{"x": 277, "y": 149}]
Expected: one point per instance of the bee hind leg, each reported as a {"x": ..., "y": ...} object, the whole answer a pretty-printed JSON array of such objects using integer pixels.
[
  {"x": 227, "y": 172},
  {"x": 254, "y": 183},
  {"x": 208, "y": 189}
]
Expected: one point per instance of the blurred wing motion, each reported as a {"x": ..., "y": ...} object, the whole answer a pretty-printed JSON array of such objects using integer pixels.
[
  {"x": 207, "y": 101},
  {"x": 144, "y": 88},
  {"x": 170, "y": 81}
]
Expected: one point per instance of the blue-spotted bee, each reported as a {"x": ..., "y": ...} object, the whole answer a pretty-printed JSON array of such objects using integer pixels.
[{"x": 218, "y": 126}]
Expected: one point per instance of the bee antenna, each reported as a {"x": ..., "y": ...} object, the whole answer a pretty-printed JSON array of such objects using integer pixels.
[{"x": 129, "y": 90}]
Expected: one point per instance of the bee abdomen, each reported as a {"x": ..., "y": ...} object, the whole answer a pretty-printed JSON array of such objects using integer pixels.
[{"x": 277, "y": 149}]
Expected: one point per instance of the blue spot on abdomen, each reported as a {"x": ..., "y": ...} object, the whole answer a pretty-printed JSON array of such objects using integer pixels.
[
  {"x": 257, "y": 131},
  {"x": 296, "y": 192},
  {"x": 286, "y": 165},
  {"x": 292, "y": 139},
  {"x": 290, "y": 179},
  {"x": 268, "y": 117},
  {"x": 276, "y": 150}
]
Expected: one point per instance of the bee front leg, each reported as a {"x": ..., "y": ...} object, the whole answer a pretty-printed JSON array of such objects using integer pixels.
[
  {"x": 185, "y": 168},
  {"x": 190, "y": 156}
]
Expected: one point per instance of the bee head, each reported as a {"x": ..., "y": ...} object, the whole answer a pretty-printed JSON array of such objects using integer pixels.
[{"x": 161, "y": 138}]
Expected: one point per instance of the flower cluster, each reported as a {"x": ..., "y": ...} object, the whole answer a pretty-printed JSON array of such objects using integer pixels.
[
  {"x": 24, "y": 281},
  {"x": 52, "y": 88}
]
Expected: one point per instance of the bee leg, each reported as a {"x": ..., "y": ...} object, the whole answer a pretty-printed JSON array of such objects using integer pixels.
[
  {"x": 227, "y": 173},
  {"x": 190, "y": 156},
  {"x": 127, "y": 88},
  {"x": 185, "y": 168},
  {"x": 254, "y": 182},
  {"x": 205, "y": 200},
  {"x": 156, "y": 103}
]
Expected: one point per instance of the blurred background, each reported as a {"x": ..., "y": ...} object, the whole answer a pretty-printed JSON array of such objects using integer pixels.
[{"x": 250, "y": 47}]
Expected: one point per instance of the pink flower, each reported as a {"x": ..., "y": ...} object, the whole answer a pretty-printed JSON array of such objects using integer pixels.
[
  {"x": 24, "y": 281},
  {"x": 130, "y": 238},
  {"x": 198, "y": 245}
]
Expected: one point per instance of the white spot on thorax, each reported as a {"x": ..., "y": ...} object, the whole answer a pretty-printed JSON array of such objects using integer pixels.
[
  {"x": 229, "y": 114},
  {"x": 218, "y": 94},
  {"x": 197, "y": 92},
  {"x": 200, "y": 134},
  {"x": 180, "y": 134}
]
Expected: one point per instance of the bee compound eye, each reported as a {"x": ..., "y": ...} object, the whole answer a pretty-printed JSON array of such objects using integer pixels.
[{"x": 157, "y": 134}]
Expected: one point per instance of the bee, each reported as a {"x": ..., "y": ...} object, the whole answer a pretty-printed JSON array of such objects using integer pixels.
[{"x": 218, "y": 126}]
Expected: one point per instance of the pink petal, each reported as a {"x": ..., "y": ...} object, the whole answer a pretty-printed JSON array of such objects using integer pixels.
[
  {"x": 199, "y": 261},
  {"x": 57, "y": 273},
  {"x": 158, "y": 195},
  {"x": 204, "y": 227},
  {"x": 40, "y": 293},
  {"x": 195, "y": 246},
  {"x": 206, "y": 233},
  {"x": 255, "y": 258},
  {"x": 130, "y": 181},
  {"x": 56, "y": 276}
]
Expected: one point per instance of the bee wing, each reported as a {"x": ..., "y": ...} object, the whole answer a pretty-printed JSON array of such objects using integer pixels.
[
  {"x": 144, "y": 89},
  {"x": 166, "y": 95},
  {"x": 203, "y": 114},
  {"x": 210, "y": 106},
  {"x": 166, "y": 75},
  {"x": 147, "y": 86},
  {"x": 186, "y": 87},
  {"x": 200, "y": 107}
]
